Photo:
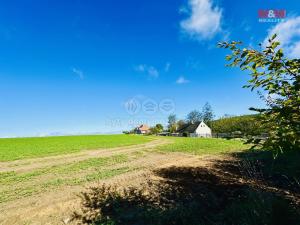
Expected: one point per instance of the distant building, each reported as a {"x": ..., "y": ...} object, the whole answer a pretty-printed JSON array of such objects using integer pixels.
[
  {"x": 164, "y": 133},
  {"x": 143, "y": 129},
  {"x": 198, "y": 129}
]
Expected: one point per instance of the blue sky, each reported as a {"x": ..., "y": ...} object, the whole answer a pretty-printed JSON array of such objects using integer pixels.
[{"x": 72, "y": 66}]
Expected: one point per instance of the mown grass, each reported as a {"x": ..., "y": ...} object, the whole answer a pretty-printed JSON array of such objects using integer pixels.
[
  {"x": 21, "y": 148},
  {"x": 199, "y": 146}
]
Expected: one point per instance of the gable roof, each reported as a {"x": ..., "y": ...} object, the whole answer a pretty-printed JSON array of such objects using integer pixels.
[
  {"x": 190, "y": 128},
  {"x": 143, "y": 127}
]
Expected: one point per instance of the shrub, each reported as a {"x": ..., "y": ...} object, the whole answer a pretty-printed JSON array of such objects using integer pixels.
[
  {"x": 277, "y": 77},
  {"x": 185, "y": 134},
  {"x": 246, "y": 125}
]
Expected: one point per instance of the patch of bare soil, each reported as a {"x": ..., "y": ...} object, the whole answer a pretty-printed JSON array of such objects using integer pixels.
[{"x": 210, "y": 191}]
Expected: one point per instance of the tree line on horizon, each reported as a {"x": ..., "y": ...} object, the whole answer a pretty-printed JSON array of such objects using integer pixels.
[
  {"x": 228, "y": 125},
  {"x": 241, "y": 126}
]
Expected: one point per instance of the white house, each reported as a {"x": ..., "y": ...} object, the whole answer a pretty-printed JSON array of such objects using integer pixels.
[{"x": 199, "y": 129}]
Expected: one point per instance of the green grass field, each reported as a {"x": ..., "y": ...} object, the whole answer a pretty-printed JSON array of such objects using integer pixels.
[
  {"x": 41, "y": 180},
  {"x": 201, "y": 146},
  {"x": 34, "y": 181},
  {"x": 21, "y": 148}
]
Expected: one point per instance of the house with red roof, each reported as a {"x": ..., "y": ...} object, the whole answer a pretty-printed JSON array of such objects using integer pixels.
[{"x": 143, "y": 129}]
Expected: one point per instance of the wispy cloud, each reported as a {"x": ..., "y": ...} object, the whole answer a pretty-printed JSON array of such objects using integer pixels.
[
  {"x": 183, "y": 10},
  {"x": 140, "y": 68},
  {"x": 151, "y": 71},
  {"x": 193, "y": 63},
  {"x": 289, "y": 36},
  {"x": 245, "y": 26},
  {"x": 182, "y": 80},
  {"x": 204, "y": 20},
  {"x": 78, "y": 72},
  {"x": 167, "y": 67}
]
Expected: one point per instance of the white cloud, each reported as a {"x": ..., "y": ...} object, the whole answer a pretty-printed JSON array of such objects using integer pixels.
[
  {"x": 140, "y": 68},
  {"x": 204, "y": 20},
  {"x": 151, "y": 71},
  {"x": 182, "y": 80},
  {"x": 288, "y": 33},
  {"x": 167, "y": 67},
  {"x": 78, "y": 72}
]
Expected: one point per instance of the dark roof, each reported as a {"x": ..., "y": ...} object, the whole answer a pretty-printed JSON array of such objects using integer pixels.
[{"x": 190, "y": 128}]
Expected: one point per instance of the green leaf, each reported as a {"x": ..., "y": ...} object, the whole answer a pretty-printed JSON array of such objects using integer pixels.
[
  {"x": 228, "y": 57},
  {"x": 274, "y": 36}
]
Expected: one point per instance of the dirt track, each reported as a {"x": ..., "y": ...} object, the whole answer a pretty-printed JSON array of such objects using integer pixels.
[
  {"x": 55, "y": 206},
  {"x": 31, "y": 164}
]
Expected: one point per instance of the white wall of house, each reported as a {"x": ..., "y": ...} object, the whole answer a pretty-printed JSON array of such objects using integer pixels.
[{"x": 202, "y": 131}]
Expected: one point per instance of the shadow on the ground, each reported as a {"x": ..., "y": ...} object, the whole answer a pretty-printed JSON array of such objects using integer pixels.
[
  {"x": 239, "y": 191},
  {"x": 281, "y": 172}
]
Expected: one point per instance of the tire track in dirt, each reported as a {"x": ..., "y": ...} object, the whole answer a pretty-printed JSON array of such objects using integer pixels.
[
  {"x": 54, "y": 207},
  {"x": 32, "y": 164}
]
